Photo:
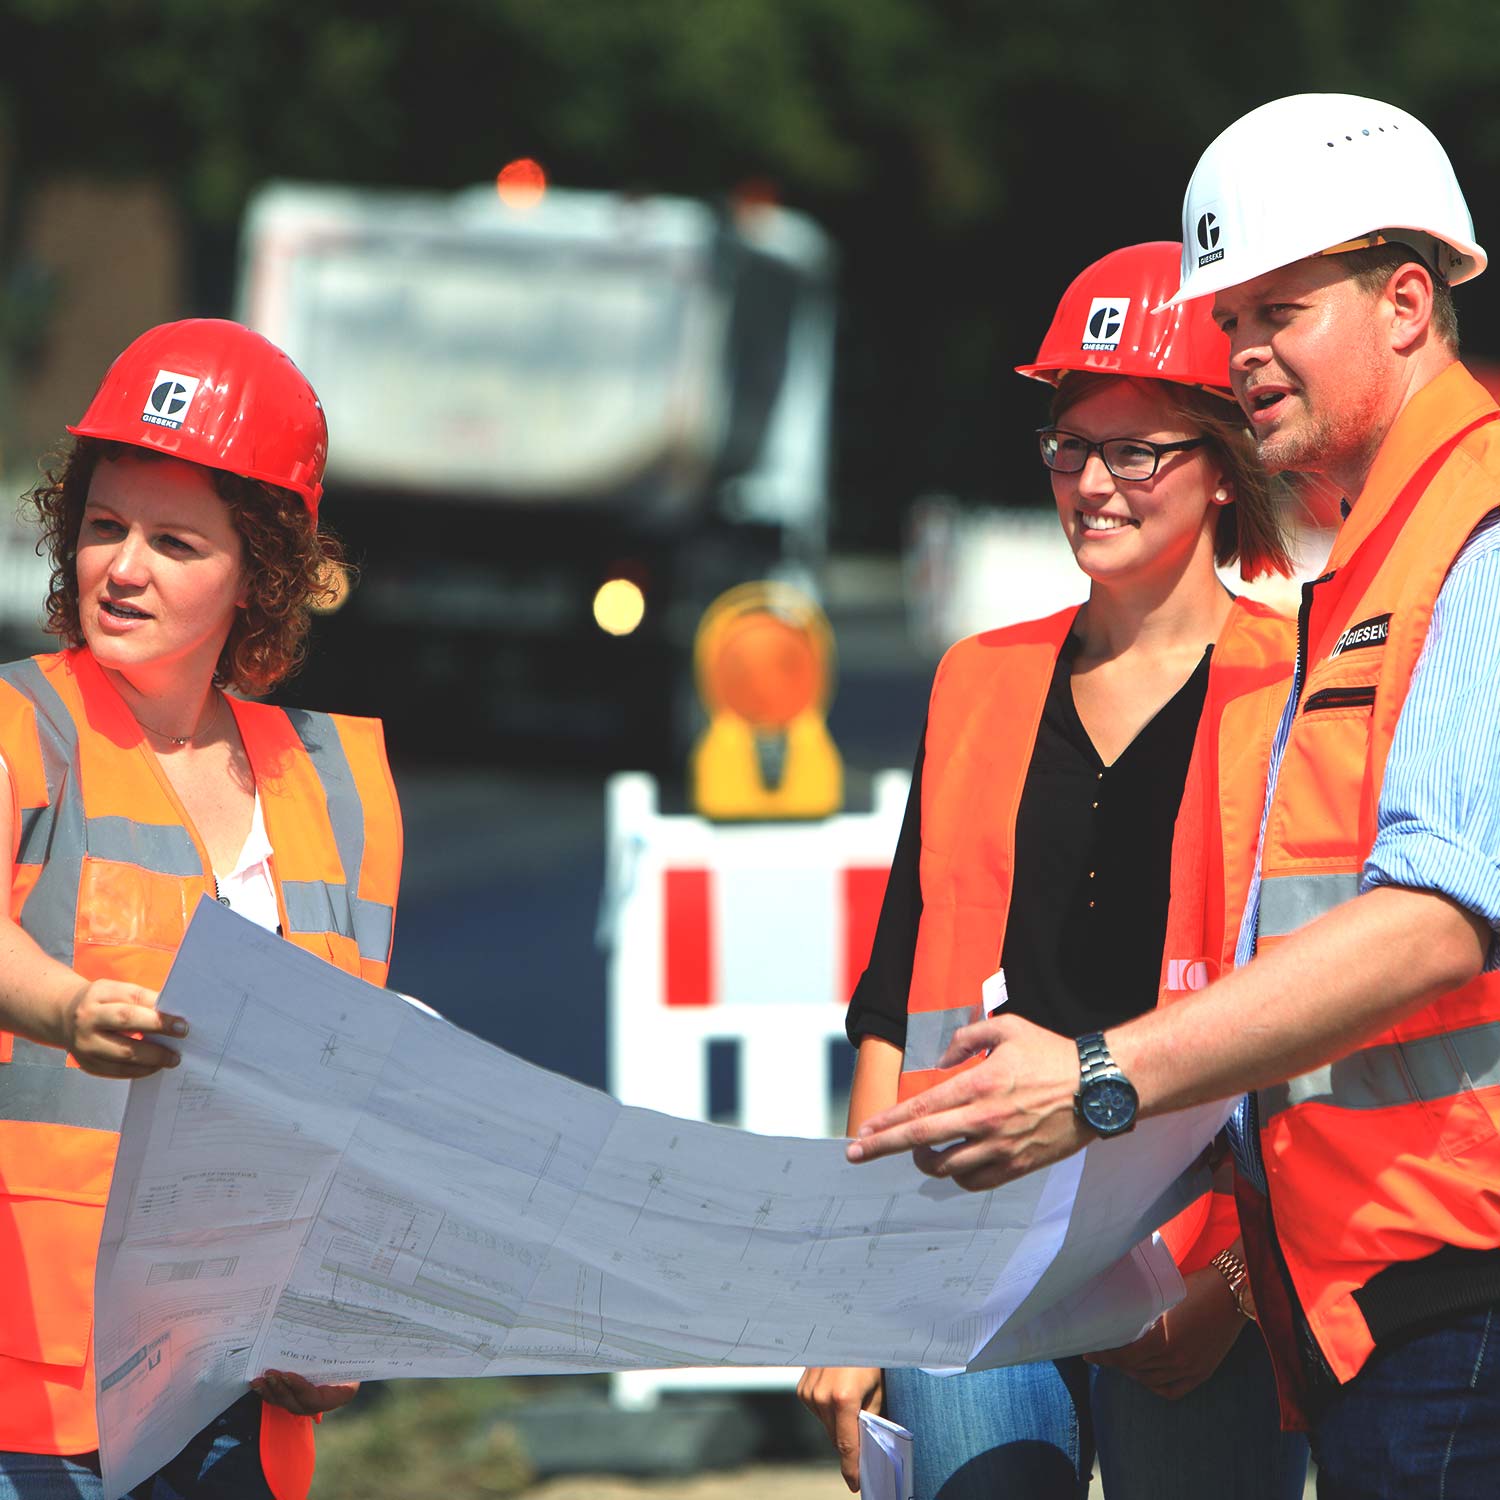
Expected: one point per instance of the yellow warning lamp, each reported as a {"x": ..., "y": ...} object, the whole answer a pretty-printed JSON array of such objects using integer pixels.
[{"x": 764, "y": 659}]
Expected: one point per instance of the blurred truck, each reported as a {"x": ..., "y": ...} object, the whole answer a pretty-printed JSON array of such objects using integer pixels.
[
  {"x": 557, "y": 433},
  {"x": 24, "y": 578}
]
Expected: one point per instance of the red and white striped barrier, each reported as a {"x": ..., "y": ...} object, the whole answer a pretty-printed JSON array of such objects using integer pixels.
[{"x": 751, "y": 933}]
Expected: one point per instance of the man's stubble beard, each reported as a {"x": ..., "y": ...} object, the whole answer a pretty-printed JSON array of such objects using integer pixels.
[{"x": 1327, "y": 443}]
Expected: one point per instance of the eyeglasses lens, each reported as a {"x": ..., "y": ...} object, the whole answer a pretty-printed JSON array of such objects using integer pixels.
[
  {"x": 1063, "y": 452},
  {"x": 1126, "y": 459}
]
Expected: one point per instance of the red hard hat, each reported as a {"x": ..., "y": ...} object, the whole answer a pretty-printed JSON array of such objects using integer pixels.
[
  {"x": 215, "y": 393},
  {"x": 1111, "y": 321}
]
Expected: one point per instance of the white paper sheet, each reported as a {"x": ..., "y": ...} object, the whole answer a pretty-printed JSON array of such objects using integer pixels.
[
  {"x": 885, "y": 1459},
  {"x": 336, "y": 1182}
]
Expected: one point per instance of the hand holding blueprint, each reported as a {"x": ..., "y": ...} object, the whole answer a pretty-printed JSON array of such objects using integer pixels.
[{"x": 338, "y": 1183}]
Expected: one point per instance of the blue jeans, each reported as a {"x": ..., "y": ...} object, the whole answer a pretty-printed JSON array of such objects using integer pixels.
[
  {"x": 1028, "y": 1432},
  {"x": 1009, "y": 1434},
  {"x": 221, "y": 1463},
  {"x": 1422, "y": 1418}
]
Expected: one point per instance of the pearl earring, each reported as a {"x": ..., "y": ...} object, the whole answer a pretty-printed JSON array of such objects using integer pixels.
[{"x": 1221, "y": 497}]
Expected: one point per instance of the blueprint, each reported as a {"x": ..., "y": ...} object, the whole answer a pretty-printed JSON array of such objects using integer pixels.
[{"x": 341, "y": 1183}]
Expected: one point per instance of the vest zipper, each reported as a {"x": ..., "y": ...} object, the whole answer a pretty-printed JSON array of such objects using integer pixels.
[
  {"x": 1307, "y": 1342},
  {"x": 1304, "y": 616},
  {"x": 1304, "y": 619}
]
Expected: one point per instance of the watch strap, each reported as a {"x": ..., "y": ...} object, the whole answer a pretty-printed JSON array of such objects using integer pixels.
[
  {"x": 1094, "y": 1060},
  {"x": 1237, "y": 1277}
]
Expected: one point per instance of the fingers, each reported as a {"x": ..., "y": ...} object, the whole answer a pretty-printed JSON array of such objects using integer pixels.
[
  {"x": 836, "y": 1397},
  {"x": 920, "y": 1121},
  {"x": 1144, "y": 1359},
  {"x": 110, "y": 1026},
  {"x": 106, "y": 1006},
  {"x": 300, "y": 1396},
  {"x": 812, "y": 1394},
  {"x": 140, "y": 1062},
  {"x": 122, "y": 1056},
  {"x": 846, "y": 1441},
  {"x": 142, "y": 1018},
  {"x": 972, "y": 1165},
  {"x": 976, "y": 1166},
  {"x": 927, "y": 1116},
  {"x": 973, "y": 1039},
  {"x": 1170, "y": 1386}
]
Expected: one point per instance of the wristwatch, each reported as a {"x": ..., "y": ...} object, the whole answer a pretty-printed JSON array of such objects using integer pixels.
[
  {"x": 1237, "y": 1278},
  {"x": 1106, "y": 1100}
]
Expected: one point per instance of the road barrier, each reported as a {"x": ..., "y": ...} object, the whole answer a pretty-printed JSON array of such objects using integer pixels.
[{"x": 739, "y": 943}]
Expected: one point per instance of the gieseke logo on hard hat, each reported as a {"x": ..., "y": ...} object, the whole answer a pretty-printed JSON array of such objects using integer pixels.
[
  {"x": 1105, "y": 324},
  {"x": 1207, "y": 234},
  {"x": 171, "y": 395}
]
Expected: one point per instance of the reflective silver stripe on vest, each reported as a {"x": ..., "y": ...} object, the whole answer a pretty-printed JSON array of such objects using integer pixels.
[
  {"x": 313, "y": 906},
  {"x": 1433, "y": 1067},
  {"x": 928, "y": 1033},
  {"x": 34, "y": 833},
  {"x": 165, "y": 849},
  {"x": 1288, "y": 902},
  {"x": 37, "y": 1086},
  {"x": 50, "y": 913}
]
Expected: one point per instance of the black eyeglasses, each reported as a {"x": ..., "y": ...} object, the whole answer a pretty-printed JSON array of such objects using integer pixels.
[{"x": 1125, "y": 458}]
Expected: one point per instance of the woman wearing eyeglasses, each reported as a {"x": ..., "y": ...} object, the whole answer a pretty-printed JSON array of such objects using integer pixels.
[{"x": 1038, "y": 839}]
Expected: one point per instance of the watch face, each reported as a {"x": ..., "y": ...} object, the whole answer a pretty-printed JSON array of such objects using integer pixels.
[{"x": 1109, "y": 1105}]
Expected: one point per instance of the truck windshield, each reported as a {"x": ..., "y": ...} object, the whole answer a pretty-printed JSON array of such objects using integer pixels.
[{"x": 530, "y": 371}]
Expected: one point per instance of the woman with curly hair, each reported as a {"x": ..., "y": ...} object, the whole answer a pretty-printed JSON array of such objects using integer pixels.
[{"x": 137, "y": 777}]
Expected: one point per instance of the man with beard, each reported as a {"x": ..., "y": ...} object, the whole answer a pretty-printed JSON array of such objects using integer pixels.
[{"x": 1364, "y": 1011}]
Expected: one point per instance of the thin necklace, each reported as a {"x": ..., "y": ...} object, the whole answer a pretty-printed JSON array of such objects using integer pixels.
[{"x": 182, "y": 739}]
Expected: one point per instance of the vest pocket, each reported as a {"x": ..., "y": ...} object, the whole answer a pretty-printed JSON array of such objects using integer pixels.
[
  {"x": 1463, "y": 1122},
  {"x": 47, "y": 1249},
  {"x": 55, "y": 1180},
  {"x": 123, "y": 905},
  {"x": 1339, "y": 697},
  {"x": 1321, "y": 779},
  {"x": 1459, "y": 1085}
]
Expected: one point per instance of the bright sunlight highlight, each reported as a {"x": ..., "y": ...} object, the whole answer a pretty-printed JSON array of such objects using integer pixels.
[{"x": 619, "y": 606}]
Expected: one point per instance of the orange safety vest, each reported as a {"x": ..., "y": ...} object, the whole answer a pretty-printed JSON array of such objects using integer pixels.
[
  {"x": 108, "y": 870},
  {"x": 1391, "y": 1152},
  {"x": 986, "y": 706}
]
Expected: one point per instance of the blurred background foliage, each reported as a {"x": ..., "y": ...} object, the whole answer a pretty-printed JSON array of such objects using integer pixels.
[
  {"x": 418, "y": 1439},
  {"x": 968, "y": 156}
]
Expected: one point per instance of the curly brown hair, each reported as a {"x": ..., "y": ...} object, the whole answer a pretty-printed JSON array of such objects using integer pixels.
[{"x": 293, "y": 566}]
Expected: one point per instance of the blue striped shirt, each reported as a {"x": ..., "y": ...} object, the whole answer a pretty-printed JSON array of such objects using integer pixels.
[{"x": 1438, "y": 821}]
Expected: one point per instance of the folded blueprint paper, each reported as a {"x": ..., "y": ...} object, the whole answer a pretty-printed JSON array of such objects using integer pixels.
[{"x": 338, "y": 1182}]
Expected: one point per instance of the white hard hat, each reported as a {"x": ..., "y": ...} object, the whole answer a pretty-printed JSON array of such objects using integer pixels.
[{"x": 1317, "y": 173}]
